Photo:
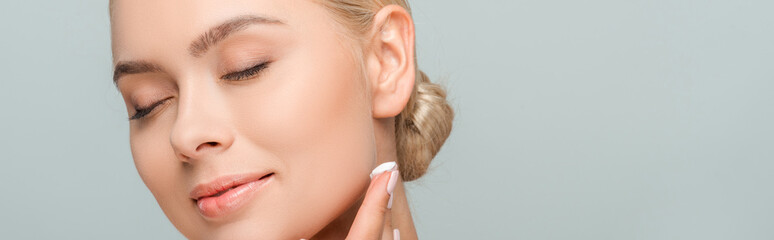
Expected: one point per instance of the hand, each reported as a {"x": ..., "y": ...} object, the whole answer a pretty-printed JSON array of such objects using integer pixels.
[{"x": 374, "y": 215}]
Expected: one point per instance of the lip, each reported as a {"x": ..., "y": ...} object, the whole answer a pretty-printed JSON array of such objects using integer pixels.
[{"x": 226, "y": 194}]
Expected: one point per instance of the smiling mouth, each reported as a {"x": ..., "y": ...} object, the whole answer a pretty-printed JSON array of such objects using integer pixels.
[
  {"x": 218, "y": 194},
  {"x": 225, "y": 195}
]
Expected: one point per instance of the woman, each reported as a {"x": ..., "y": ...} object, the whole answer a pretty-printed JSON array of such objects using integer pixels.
[{"x": 263, "y": 118}]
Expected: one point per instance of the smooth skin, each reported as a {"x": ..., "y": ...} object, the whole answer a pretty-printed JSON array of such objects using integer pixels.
[{"x": 313, "y": 115}]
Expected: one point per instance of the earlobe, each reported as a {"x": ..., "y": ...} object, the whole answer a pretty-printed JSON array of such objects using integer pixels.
[{"x": 394, "y": 71}]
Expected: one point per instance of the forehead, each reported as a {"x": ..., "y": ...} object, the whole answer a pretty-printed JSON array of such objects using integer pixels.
[{"x": 141, "y": 28}]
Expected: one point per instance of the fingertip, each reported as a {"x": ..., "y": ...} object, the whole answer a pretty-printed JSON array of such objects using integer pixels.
[
  {"x": 375, "y": 207},
  {"x": 387, "y": 166}
]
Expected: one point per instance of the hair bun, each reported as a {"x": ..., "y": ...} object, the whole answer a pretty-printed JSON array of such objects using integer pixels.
[{"x": 422, "y": 127}]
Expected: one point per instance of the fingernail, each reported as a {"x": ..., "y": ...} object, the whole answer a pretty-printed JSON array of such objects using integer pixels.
[
  {"x": 391, "y": 186},
  {"x": 393, "y": 180},
  {"x": 383, "y": 168},
  {"x": 396, "y": 234}
]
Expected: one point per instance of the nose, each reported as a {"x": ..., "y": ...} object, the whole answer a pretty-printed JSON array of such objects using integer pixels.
[{"x": 201, "y": 129}]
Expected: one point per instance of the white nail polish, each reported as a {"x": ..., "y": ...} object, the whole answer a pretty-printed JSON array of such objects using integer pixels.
[
  {"x": 391, "y": 186},
  {"x": 396, "y": 234},
  {"x": 383, "y": 168}
]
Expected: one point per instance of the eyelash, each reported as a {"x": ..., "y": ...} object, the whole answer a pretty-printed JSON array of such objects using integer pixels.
[
  {"x": 235, "y": 76},
  {"x": 142, "y": 112},
  {"x": 247, "y": 73}
]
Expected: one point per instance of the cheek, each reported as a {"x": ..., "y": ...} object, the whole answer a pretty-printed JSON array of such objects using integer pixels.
[
  {"x": 317, "y": 122},
  {"x": 316, "y": 116},
  {"x": 312, "y": 101},
  {"x": 161, "y": 171},
  {"x": 151, "y": 156}
]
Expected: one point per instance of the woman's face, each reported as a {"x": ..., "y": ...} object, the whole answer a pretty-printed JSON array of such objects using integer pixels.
[{"x": 254, "y": 118}]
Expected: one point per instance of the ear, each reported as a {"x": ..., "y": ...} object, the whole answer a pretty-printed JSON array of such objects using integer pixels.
[{"x": 391, "y": 66}]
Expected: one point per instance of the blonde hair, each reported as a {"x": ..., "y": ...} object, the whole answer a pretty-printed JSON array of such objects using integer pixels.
[{"x": 426, "y": 121}]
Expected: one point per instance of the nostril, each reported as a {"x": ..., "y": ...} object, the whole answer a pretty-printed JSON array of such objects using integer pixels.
[{"x": 211, "y": 144}]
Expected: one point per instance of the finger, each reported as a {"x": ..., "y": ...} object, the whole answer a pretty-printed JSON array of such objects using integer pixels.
[
  {"x": 387, "y": 224},
  {"x": 369, "y": 220}
]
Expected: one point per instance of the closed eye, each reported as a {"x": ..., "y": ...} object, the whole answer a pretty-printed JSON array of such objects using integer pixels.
[
  {"x": 247, "y": 73},
  {"x": 141, "y": 112}
]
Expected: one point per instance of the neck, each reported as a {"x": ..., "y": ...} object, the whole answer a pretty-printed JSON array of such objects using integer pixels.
[{"x": 400, "y": 215}]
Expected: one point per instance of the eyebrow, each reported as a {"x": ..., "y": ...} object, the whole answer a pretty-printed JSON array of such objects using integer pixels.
[
  {"x": 198, "y": 47},
  {"x": 133, "y": 67},
  {"x": 221, "y": 31}
]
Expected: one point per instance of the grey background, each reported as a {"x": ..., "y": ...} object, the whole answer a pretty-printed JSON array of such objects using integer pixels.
[{"x": 576, "y": 120}]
